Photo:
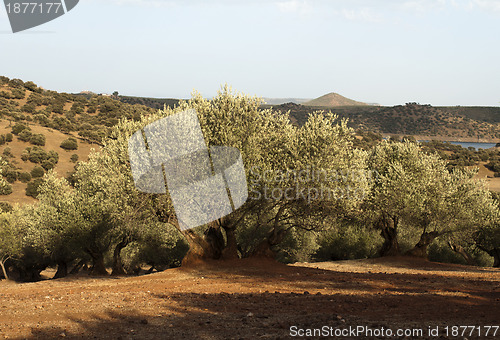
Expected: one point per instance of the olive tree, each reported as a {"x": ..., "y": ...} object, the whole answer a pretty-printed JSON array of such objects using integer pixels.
[
  {"x": 10, "y": 241},
  {"x": 415, "y": 191},
  {"x": 57, "y": 222}
]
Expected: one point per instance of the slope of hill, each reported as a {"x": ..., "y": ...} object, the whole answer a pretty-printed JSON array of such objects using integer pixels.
[
  {"x": 333, "y": 100},
  {"x": 19, "y": 165},
  {"x": 489, "y": 114},
  {"x": 411, "y": 119},
  {"x": 154, "y": 103},
  {"x": 33, "y": 124}
]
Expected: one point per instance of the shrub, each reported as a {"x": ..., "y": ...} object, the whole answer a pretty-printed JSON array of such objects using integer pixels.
[
  {"x": 25, "y": 135},
  {"x": 69, "y": 144},
  {"x": 57, "y": 108},
  {"x": 5, "y": 188},
  {"x": 6, "y": 207},
  {"x": 18, "y": 127},
  {"x": 347, "y": 243},
  {"x": 25, "y": 155},
  {"x": 53, "y": 155},
  {"x": 29, "y": 108},
  {"x": 31, "y": 86},
  {"x": 18, "y": 93},
  {"x": 32, "y": 188},
  {"x": 37, "y": 139},
  {"x": 24, "y": 177},
  {"x": 37, "y": 155},
  {"x": 10, "y": 175},
  {"x": 8, "y": 137},
  {"x": 48, "y": 164},
  {"x": 5, "y": 94},
  {"x": 7, "y": 152},
  {"x": 74, "y": 158},
  {"x": 37, "y": 172}
]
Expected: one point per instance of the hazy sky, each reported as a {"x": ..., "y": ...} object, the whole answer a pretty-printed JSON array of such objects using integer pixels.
[{"x": 442, "y": 52}]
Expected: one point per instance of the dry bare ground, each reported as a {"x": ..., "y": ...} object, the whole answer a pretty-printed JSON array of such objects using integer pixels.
[{"x": 255, "y": 299}]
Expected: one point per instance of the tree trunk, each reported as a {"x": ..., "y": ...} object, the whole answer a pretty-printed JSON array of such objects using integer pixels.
[
  {"x": 495, "y": 252},
  {"x": 264, "y": 249},
  {"x": 215, "y": 240},
  {"x": 230, "y": 252},
  {"x": 4, "y": 271},
  {"x": 199, "y": 248},
  {"x": 420, "y": 249},
  {"x": 117, "y": 258},
  {"x": 389, "y": 231},
  {"x": 62, "y": 269},
  {"x": 30, "y": 274},
  {"x": 98, "y": 267},
  {"x": 77, "y": 267},
  {"x": 462, "y": 252}
]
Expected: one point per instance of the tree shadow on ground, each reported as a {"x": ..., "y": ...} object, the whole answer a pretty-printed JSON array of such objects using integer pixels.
[{"x": 270, "y": 315}]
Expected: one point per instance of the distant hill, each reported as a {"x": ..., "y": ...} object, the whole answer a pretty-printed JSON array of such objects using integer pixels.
[
  {"x": 154, "y": 103},
  {"x": 333, "y": 100},
  {"x": 412, "y": 119}
]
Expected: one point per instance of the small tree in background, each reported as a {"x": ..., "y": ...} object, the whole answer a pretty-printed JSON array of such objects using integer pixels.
[
  {"x": 69, "y": 144},
  {"x": 38, "y": 139}
]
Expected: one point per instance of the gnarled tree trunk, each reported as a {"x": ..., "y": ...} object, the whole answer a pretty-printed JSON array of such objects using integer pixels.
[
  {"x": 495, "y": 253},
  {"x": 199, "y": 248},
  {"x": 215, "y": 240},
  {"x": 388, "y": 226},
  {"x": 264, "y": 249},
  {"x": 98, "y": 267},
  {"x": 420, "y": 249},
  {"x": 117, "y": 258},
  {"x": 62, "y": 269},
  {"x": 78, "y": 266},
  {"x": 462, "y": 252},
  {"x": 230, "y": 252}
]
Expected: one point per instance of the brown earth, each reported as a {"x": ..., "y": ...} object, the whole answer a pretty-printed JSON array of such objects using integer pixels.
[{"x": 255, "y": 299}]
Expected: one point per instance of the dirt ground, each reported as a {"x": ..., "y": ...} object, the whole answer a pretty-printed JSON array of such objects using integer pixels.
[{"x": 258, "y": 299}]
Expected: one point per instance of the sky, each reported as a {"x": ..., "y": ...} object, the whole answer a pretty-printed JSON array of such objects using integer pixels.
[{"x": 439, "y": 52}]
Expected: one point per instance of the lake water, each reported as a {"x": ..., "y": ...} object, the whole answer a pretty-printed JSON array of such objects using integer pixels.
[
  {"x": 475, "y": 145},
  {"x": 467, "y": 144}
]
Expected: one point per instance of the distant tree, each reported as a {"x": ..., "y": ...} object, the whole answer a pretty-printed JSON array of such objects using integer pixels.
[
  {"x": 69, "y": 144},
  {"x": 25, "y": 177},
  {"x": 38, "y": 139},
  {"x": 37, "y": 154},
  {"x": 32, "y": 86},
  {"x": 25, "y": 135},
  {"x": 37, "y": 172},
  {"x": 5, "y": 187},
  {"x": 18, "y": 127},
  {"x": 10, "y": 175},
  {"x": 32, "y": 187},
  {"x": 74, "y": 158}
]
